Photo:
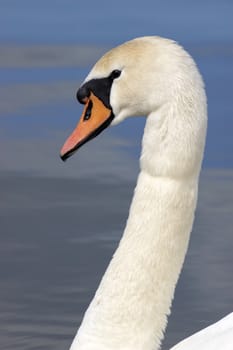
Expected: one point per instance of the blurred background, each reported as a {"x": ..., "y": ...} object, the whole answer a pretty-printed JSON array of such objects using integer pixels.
[{"x": 60, "y": 223}]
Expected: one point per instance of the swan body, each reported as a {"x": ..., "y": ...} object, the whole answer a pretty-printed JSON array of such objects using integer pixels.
[
  {"x": 157, "y": 78},
  {"x": 215, "y": 337}
]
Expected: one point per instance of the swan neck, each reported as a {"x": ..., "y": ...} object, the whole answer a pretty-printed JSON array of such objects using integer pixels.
[
  {"x": 131, "y": 305},
  {"x": 174, "y": 137}
]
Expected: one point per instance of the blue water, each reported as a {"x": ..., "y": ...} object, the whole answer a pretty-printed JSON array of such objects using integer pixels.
[
  {"x": 61, "y": 223},
  {"x": 72, "y": 21},
  {"x": 39, "y": 75}
]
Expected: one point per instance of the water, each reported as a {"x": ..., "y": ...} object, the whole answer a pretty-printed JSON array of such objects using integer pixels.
[
  {"x": 61, "y": 223},
  {"x": 56, "y": 245}
]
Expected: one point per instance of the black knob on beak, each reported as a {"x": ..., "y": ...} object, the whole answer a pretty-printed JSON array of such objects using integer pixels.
[{"x": 82, "y": 94}]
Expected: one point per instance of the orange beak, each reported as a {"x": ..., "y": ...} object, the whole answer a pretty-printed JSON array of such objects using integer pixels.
[{"x": 94, "y": 119}]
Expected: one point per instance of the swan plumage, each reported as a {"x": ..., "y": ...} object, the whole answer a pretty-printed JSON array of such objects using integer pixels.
[
  {"x": 215, "y": 337},
  {"x": 155, "y": 77}
]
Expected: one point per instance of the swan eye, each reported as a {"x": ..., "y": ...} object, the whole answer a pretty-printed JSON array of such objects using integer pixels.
[{"x": 115, "y": 73}]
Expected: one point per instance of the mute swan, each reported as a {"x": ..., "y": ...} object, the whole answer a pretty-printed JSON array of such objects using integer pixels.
[{"x": 155, "y": 77}]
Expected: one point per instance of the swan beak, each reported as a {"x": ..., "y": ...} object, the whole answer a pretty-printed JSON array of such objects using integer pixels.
[{"x": 94, "y": 119}]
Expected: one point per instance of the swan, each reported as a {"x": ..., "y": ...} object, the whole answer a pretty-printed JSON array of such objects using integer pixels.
[{"x": 155, "y": 77}]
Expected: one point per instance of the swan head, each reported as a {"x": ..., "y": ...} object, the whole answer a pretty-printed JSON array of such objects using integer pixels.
[{"x": 137, "y": 78}]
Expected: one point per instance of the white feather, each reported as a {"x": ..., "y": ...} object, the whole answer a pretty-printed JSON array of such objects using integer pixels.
[
  {"x": 215, "y": 337},
  {"x": 130, "y": 308}
]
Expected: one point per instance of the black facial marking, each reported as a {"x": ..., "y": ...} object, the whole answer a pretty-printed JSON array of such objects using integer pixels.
[
  {"x": 88, "y": 111},
  {"x": 100, "y": 87},
  {"x": 82, "y": 94}
]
